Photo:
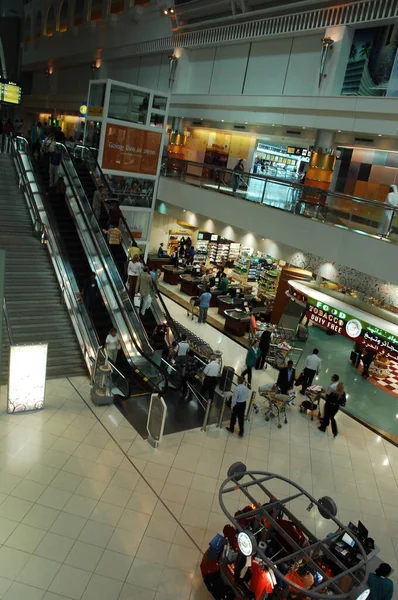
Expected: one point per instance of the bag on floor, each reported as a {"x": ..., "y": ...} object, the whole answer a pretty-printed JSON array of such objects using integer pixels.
[
  {"x": 137, "y": 300},
  {"x": 299, "y": 380}
]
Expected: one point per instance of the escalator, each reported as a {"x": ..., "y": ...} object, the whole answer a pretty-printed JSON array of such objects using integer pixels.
[{"x": 140, "y": 380}]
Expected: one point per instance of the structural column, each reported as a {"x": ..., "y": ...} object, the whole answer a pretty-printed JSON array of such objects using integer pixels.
[{"x": 323, "y": 160}]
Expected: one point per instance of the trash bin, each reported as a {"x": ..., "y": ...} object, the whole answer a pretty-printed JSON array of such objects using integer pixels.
[{"x": 227, "y": 378}]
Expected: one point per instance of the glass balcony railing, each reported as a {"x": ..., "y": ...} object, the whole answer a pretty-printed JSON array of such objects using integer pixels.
[{"x": 369, "y": 217}]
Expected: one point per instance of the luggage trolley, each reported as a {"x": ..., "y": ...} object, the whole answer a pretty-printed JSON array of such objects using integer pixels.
[
  {"x": 275, "y": 403},
  {"x": 193, "y": 310}
]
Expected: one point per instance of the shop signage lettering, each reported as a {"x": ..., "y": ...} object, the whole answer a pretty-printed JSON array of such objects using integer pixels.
[
  {"x": 131, "y": 150},
  {"x": 364, "y": 333}
]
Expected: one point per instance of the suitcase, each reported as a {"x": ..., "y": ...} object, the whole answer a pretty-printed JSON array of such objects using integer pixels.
[
  {"x": 355, "y": 358},
  {"x": 302, "y": 333}
]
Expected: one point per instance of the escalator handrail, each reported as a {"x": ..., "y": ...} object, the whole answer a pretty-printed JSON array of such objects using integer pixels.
[
  {"x": 105, "y": 183},
  {"x": 67, "y": 282},
  {"x": 105, "y": 266}
]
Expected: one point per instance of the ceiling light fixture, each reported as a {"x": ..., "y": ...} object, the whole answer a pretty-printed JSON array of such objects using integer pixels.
[{"x": 379, "y": 135}]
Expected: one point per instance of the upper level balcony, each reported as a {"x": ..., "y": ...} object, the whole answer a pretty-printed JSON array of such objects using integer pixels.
[{"x": 356, "y": 232}]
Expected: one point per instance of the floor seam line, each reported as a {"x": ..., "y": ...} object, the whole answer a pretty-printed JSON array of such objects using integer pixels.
[{"x": 137, "y": 469}]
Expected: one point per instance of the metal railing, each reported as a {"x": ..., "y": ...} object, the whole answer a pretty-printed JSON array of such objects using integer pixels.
[
  {"x": 7, "y": 323},
  {"x": 70, "y": 293},
  {"x": 137, "y": 345},
  {"x": 369, "y": 217}
]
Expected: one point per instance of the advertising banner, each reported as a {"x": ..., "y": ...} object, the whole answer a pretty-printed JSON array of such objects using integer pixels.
[
  {"x": 132, "y": 150},
  {"x": 358, "y": 330}
]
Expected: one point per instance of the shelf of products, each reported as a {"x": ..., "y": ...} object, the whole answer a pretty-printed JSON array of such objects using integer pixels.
[
  {"x": 268, "y": 282},
  {"x": 241, "y": 269},
  {"x": 202, "y": 249},
  {"x": 234, "y": 251}
]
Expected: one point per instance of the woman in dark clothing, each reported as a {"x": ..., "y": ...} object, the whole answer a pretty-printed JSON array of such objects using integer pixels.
[
  {"x": 332, "y": 405},
  {"x": 265, "y": 341},
  {"x": 367, "y": 360}
]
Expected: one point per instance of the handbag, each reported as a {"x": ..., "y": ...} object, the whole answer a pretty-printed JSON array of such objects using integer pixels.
[{"x": 299, "y": 380}]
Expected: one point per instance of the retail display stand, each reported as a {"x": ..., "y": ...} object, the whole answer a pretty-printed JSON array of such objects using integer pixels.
[
  {"x": 241, "y": 269},
  {"x": 265, "y": 551}
]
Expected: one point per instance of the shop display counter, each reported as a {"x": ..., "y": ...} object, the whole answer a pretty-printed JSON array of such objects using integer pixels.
[
  {"x": 157, "y": 263},
  {"x": 226, "y": 302},
  {"x": 214, "y": 295},
  {"x": 236, "y": 322},
  {"x": 286, "y": 559},
  {"x": 189, "y": 284},
  {"x": 172, "y": 274}
]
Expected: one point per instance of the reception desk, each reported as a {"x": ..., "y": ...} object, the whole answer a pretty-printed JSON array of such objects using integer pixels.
[
  {"x": 236, "y": 322},
  {"x": 172, "y": 274},
  {"x": 189, "y": 284}
]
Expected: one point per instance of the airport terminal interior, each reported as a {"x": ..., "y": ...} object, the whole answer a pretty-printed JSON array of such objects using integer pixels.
[{"x": 199, "y": 324}]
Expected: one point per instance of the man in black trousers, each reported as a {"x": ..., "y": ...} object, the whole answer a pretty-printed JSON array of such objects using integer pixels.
[{"x": 239, "y": 399}]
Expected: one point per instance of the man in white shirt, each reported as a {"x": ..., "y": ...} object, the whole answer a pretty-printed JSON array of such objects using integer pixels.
[
  {"x": 311, "y": 367},
  {"x": 211, "y": 374},
  {"x": 238, "y": 405},
  {"x": 182, "y": 349}
]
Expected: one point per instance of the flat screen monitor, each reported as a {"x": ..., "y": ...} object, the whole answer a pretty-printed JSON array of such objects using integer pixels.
[
  {"x": 217, "y": 280},
  {"x": 347, "y": 539},
  {"x": 238, "y": 290},
  {"x": 362, "y": 531},
  {"x": 353, "y": 528},
  {"x": 245, "y": 303}
]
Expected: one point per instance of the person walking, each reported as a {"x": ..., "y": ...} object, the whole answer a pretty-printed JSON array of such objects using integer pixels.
[
  {"x": 381, "y": 587},
  {"x": 389, "y": 213},
  {"x": 112, "y": 344},
  {"x": 8, "y": 131},
  {"x": 238, "y": 405},
  {"x": 264, "y": 344},
  {"x": 60, "y": 188},
  {"x": 90, "y": 292},
  {"x": 204, "y": 303},
  {"x": 211, "y": 374},
  {"x": 311, "y": 367},
  {"x": 332, "y": 405},
  {"x": 55, "y": 162},
  {"x": 238, "y": 169},
  {"x": 145, "y": 287},
  {"x": 35, "y": 139},
  {"x": 134, "y": 270},
  {"x": 367, "y": 360},
  {"x": 98, "y": 199},
  {"x": 189, "y": 376},
  {"x": 115, "y": 215},
  {"x": 251, "y": 359},
  {"x": 183, "y": 347},
  {"x": 286, "y": 378}
]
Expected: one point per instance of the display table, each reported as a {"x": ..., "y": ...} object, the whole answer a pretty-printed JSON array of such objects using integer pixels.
[
  {"x": 189, "y": 284},
  {"x": 157, "y": 263},
  {"x": 172, "y": 274},
  {"x": 236, "y": 322},
  {"x": 214, "y": 295},
  {"x": 226, "y": 303}
]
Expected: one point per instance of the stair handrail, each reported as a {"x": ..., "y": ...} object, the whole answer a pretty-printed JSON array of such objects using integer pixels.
[
  {"x": 103, "y": 181},
  {"x": 7, "y": 322},
  {"x": 89, "y": 228},
  {"x": 85, "y": 332}
]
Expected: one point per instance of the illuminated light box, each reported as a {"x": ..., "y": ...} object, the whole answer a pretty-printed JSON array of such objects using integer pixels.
[{"x": 27, "y": 377}]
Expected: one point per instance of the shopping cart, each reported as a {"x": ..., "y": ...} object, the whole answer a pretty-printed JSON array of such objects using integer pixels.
[
  {"x": 193, "y": 310},
  {"x": 311, "y": 403},
  {"x": 275, "y": 403}
]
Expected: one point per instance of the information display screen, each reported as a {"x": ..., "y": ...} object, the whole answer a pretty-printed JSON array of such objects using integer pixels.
[{"x": 10, "y": 92}]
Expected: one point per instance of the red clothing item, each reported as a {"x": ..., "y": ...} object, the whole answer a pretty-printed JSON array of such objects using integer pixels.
[{"x": 260, "y": 582}]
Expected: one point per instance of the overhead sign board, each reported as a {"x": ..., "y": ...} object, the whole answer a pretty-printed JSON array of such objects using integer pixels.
[{"x": 10, "y": 92}]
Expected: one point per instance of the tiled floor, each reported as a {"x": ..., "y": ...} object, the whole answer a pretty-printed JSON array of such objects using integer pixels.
[{"x": 88, "y": 510}]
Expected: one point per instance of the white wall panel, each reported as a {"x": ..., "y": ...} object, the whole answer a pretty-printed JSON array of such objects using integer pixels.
[
  {"x": 267, "y": 67},
  {"x": 149, "y": 71},
  {"x": 229, "y": 69},
  {"x": 194, "y": 71},
  {"x": 126, "y": 70},
  {"x": 164, "y": 74},
  {"x": 303, "y": 70},
  {"x": 74, "y": 80},
  {"x": 339, "y": 245}
]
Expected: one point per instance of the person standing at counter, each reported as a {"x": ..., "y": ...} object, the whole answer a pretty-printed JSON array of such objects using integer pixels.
[
  {"x": 367, "y": 360},
  {"x": 381, "y": 587},
  {"x": 238, "y": 405},
  {"x": 311, "y": 367},
  {"x": 204, "y": 303},
  {"x": 223, "y": 285},
  {"x": 265, "y": 341},
  {"x": 160, "y": 250},
  {"x": 251, "y": 359}
]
